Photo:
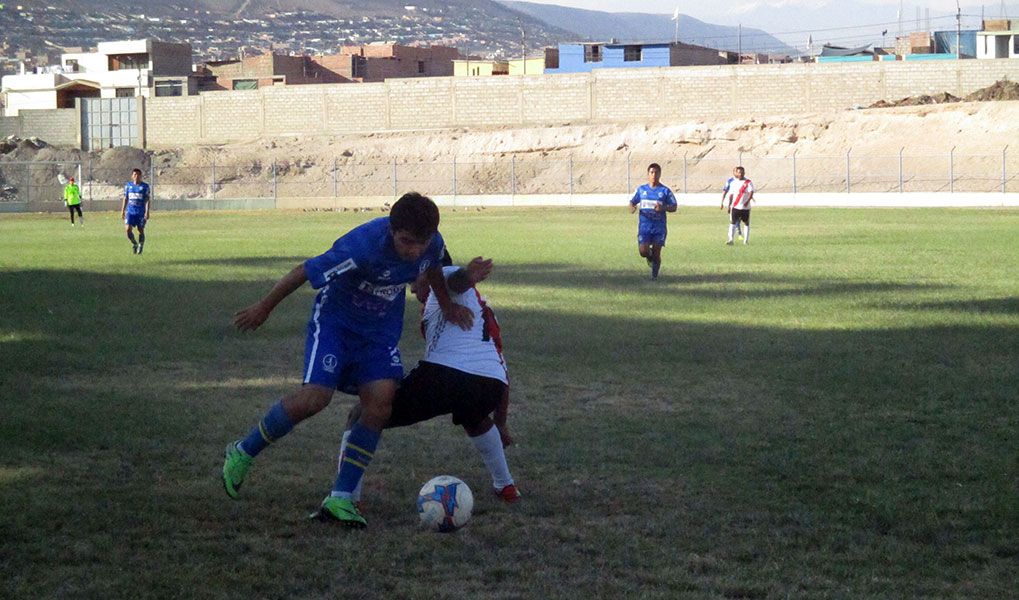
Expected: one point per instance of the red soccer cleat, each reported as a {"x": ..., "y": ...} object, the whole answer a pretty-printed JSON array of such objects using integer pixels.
[{"x": 508, "y": 494}]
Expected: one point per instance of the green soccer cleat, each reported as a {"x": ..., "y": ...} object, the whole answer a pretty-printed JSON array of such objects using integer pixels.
[
  {"x": 340, "y": 510},
  {"x": 234, "y": 468}
]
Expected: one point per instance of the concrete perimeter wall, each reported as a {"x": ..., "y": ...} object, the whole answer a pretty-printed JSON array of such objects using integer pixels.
[
  {"x": 58, "y": 127},
  {"x": 610, "y": 95}
]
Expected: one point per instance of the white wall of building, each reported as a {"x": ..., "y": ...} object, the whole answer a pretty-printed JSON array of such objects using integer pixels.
[{"x": 988, "y": 41}]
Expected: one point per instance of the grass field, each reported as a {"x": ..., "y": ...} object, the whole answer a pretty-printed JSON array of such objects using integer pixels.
[{"x": 828, "y": 412}]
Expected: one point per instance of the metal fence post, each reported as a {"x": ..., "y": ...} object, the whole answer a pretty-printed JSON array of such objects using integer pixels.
[
  {"x": 335, "y": 186},
  {"x": 454, "y": 176},
  {"x": 951, "y": 171},
  {"x": 571, "y": 179},
  {"x": 900, "y": 168},
  {"x": 1004, "y": 172},
  {"x": 684, "y": 172},
  {"x": 90, "y": 198},
  {"x": 629, "y": 185},
  {"x": 212, "y": 188},
  {"x": 794, "y": 170},
  {"x": 849, "y": 174},
  {"x": 152, "y": 181},
  {"x": 394, "y": 177},
  {"x": 28, "y": 182},
  {"x": 275, "y": 188},
  {"x": 513, "y": 175}
]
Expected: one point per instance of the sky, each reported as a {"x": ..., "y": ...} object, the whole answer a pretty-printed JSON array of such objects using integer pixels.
[{"x": 841, "y": 22}]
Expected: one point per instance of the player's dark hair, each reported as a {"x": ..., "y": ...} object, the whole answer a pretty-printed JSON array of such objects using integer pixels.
[
  {"x": 655, "y": 166},
  {"x": 741, "y": 170},
  {"x": 416, "y": 214},
  {"x": 138, "y": 171}
]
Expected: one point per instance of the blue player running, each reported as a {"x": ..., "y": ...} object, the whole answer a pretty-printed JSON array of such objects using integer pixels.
[
  {"x": 352, "y": 338},
  {"x": 135, "y": 209},
  {"x": 653, "y": 200}
]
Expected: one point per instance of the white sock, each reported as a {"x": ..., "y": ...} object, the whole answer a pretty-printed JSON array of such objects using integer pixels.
[
  {"x": 746, "y": 236},
  {"x": 489, "y": 444},
  {"x": 732, "y": 232},
  {"x": 356, "y": 495}
]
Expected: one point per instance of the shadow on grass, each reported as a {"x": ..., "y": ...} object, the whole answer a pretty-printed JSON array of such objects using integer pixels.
[
  {"x": 245, "y": 261},
  {"x": 744, "y": 444},
  {"x": 701, "y": 285},
  {"x": 999, "y": 306}
]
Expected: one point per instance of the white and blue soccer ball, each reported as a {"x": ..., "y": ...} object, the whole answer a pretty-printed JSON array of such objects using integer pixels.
[{"x": 445, "y": 504}]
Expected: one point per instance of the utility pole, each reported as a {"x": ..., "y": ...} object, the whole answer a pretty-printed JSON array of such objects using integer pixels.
[
  {"x": 739, "y": 44},
  {"x": 523, "y": 49},
  {"x": 958, "y": 31}
]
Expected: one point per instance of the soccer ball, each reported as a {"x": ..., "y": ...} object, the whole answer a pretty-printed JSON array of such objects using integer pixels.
[{"x": 444, "y": 504}]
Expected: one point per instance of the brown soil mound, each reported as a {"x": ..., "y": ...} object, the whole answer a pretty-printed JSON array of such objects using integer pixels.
[
  {"x": 942, "y": 98},
  {"x": 1002, "y": 90}
]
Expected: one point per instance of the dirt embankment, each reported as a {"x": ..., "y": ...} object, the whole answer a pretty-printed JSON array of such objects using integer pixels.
[{"x": 542, "y": 159}]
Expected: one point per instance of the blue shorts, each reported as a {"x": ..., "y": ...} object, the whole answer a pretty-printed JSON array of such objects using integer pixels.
[
  {"x": 135, "y": 220},
  {"x": 651, "y": 234},
  {"x": 338, "y": 358}
]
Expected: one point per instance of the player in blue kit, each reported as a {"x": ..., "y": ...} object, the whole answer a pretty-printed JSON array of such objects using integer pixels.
[
  {"x": 352, "y": 338},
  {"x": 135, "y": 209},
  {"x": 653, "y": 200}
]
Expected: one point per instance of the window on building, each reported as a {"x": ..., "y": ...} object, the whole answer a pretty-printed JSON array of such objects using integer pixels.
[
  {"x": 170, "y": 87},
  {"x": 1015, "y": 44},
  {"x": 122, "y": 62},
  {"x": 631, "y": 54},
  {"x": 592, "y": 53},
  {"x": 421, "y": 66},
  {"x": 245, "y": 84},
  {"x": 358, "y": 66},
  {"x": 278, "y": 81},
  {"x": 71, "y": 65},
  {"x": 126, "y": 92}
]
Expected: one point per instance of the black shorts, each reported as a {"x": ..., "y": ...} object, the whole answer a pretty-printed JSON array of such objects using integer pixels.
[
  {"x": 432, "y": 390},
  {"x": 739, "y": 214},
  {"x": 74, "y": 208}
]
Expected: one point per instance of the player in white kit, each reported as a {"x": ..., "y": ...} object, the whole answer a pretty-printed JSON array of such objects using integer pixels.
[{"x": 463, "y": 374}]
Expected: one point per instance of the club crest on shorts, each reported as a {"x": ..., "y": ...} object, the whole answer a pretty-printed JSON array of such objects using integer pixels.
[{"x": 329, "y": 363}]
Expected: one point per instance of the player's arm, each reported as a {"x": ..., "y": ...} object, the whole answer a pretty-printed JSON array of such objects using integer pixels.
[
  {"x": 456, "y": 314},
  {"x": 148, "y": 201},
  {"x": 123, "y": 203},
  {"x": 252, "y": 317},
  {"x": 467, "y": 277},
  {"x": 671, "y": 204},
  {"x": 634, "y": 201}
]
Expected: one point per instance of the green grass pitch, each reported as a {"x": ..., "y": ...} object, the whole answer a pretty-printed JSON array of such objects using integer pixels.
[{"x": 831, "y": 411}]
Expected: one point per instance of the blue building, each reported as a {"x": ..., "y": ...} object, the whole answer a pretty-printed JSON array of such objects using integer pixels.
[{"x": 584, "y": 57}]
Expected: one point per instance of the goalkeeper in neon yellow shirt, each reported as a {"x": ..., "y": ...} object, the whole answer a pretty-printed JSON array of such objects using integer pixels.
[{"x": 72, "y": 198}]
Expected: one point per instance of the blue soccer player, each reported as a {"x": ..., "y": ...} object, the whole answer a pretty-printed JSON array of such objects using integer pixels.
[
  {"x": 653, "y": 200},
  {"x": 352, "y": 338},
  {"x": 135, "y": 209}
]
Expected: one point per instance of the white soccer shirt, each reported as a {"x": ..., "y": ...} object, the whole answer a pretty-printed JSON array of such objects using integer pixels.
[
  {"x": 477, "y": 351},
  {"x": 738, "y": 194}
]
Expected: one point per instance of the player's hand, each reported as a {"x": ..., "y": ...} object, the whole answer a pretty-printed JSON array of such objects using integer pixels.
[
  {"x": 658, "y": 206},
  {"x": 479, "y": 269},
  {"x": 250, "y": 318},
  {"x": 459, "y": 315}
]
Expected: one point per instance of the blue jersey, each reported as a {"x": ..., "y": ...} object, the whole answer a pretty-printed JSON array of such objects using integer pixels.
[
  {"x": 137, "y": 195},
  {"x": 646, "y": 197},
  {"x": 362, "y": 281}
]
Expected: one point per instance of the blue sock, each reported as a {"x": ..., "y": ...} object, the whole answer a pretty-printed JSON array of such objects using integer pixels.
[
  {"x": 357, "y": 454},
  {"x": 274, "y": 425},
  {"x": 655, "y": 266}
]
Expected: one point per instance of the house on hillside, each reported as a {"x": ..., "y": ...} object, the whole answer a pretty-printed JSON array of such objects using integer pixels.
[
  {"x": 584, "y": 57},
  {"x": 378, "y": 62},
  {"x": 999, "y": 38},
  {"x": 253, "y": 72},
  {"x": 120, "y": 69}
]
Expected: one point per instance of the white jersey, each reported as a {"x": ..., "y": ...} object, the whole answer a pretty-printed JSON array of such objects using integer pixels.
[
  {"x": 477, "y": 351},
  {"x": 738, "y": 192}
]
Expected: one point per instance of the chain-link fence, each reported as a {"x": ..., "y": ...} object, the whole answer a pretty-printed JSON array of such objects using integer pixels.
[{"x": 39, "y": 183}]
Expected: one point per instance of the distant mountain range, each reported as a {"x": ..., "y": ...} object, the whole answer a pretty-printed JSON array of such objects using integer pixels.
[{"x": 625, "y": 27}]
